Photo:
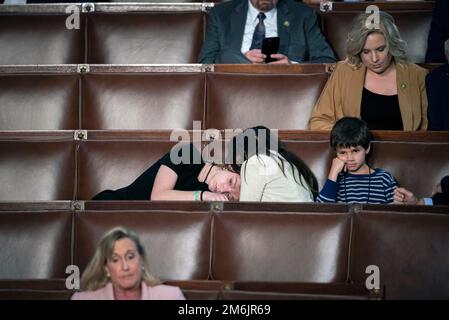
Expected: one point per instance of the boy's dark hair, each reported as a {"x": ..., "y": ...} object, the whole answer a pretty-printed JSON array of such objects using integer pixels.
[{"x": 350, "y": 132}]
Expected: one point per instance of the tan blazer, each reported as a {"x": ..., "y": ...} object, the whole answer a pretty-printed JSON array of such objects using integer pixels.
[{"x": 342, "y": 96}]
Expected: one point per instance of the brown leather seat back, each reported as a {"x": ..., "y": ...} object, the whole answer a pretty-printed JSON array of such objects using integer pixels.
[
  {"x": 274, "y": 100},
  {"x": 149, "y": 38},
  {"x": 35, "y": 245},
  {"x": 302, "y": 247},
  {"x": 418, "y": 166},
  {"x": 144, "y": 101},
  {"x": 37, "y": 171},
  {"x": 410, "y": 250},
  {"x": 39, "y": 102},
  {"x": 36, "y": 294},
  {"x": 316, "y": 154},
  {"x": 40, "y": 39},
  {"x": 115, "y": 164}
]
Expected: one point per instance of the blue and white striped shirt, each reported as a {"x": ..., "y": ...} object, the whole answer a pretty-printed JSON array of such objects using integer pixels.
[{"x": 377, "y": 187}]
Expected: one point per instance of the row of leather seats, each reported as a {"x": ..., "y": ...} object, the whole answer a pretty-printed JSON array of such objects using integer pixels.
[
  {"x": 155, "y": 34},
  {"x": 38, "y": 166},
  {"x": 318, "y": 244},
  {"x": 153, "y": 101},
  {"x": 55, "y": 289},
  {"x": 205, "y": 290}
]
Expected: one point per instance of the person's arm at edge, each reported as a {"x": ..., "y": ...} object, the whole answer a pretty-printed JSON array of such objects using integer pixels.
[
  {"x": 163, "y": 189},
  {"x": 164, "y": 184},
  {"x": 436, "y": 38},
  {"x": 404, "y": 196},
  {"x": 211, "y": 44},
  {"x": 434, "y": 116},
  {"x": 319, "y": 49}
]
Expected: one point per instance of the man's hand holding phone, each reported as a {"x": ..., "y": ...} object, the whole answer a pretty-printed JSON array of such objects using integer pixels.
[
  {"x": 255, "y": 56},
  {"x": 280, "y": 59},
  {"x": 270, "y": 48},
  {"x": 268, "y": 54}
]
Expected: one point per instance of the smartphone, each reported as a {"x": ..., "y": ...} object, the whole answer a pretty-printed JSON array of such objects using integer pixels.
[{"x": 270, "y": 46}]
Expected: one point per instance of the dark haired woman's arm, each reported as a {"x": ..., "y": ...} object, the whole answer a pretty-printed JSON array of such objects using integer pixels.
[{"x": 164, "y": 189}]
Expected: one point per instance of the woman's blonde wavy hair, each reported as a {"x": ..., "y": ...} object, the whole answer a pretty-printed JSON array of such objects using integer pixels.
[
  {"x": 356, "y": 38},
  {"x": 94, "y": 276}
]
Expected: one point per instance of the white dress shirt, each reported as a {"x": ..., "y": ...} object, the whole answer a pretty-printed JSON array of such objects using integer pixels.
[{"x": 270, "y": 22}]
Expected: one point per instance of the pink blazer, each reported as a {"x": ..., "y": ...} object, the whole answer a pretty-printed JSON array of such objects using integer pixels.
[{"x": 160, "y": 292}]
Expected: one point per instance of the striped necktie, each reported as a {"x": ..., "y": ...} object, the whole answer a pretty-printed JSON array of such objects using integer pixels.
[{"x": 259, "y": 33}]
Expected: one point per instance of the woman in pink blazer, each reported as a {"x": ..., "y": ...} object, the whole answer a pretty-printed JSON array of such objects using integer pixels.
[{"x": 119, "y": 271}]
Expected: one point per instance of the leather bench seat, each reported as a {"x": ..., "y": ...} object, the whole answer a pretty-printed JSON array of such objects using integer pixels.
[
  {"x": 158, "y": 33},
  {"x": 212, "y": 253}
]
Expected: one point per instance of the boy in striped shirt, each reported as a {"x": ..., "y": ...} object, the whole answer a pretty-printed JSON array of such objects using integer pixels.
[{"x": 351, "y": 179}]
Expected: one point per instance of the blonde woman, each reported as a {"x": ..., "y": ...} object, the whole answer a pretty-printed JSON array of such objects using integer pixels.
[
  {"x": 119, "y": 271},
  {"x": 375, "y": 82}
]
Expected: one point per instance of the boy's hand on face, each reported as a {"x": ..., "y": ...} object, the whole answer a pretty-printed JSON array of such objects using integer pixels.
[{"x": 337, "y": 167}]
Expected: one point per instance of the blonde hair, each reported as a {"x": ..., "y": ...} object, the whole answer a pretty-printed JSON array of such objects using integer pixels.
[
  {"x": 94, "y": 276},
  {"x": 356, "y": 38}
]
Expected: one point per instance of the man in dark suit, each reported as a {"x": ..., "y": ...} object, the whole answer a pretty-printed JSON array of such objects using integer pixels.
[
  {"x": 439, "y": 32},
  {"x": 437, "y": 87},
  {"x": 231, "y": 26}
]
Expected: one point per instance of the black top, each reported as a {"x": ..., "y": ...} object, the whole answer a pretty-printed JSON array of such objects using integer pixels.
[
  {"x": 381, "y": 112},
  {"x": 141, "y": 188}
]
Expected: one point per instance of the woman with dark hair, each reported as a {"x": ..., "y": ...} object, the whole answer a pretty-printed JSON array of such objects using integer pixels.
[{"x": 268, "y": 171}]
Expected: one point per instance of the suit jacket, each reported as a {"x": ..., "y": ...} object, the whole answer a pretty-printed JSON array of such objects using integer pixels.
[
  {"x": 439, "y": 32},
  {"x": 300, "y": 36},
  {"x": 342, "y": 96},
  {"x": 160, "y": 292},
  {"x": 437, "y": 85}
]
